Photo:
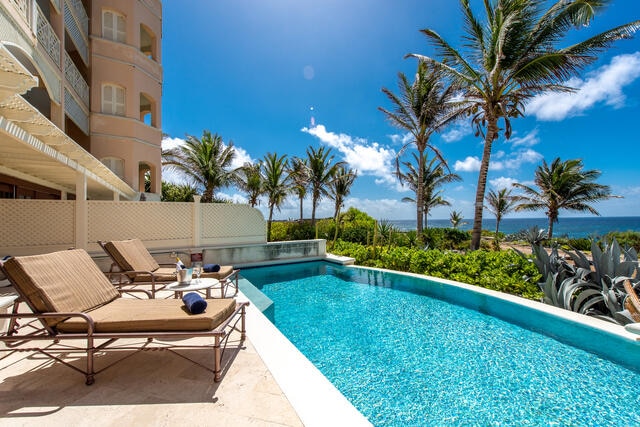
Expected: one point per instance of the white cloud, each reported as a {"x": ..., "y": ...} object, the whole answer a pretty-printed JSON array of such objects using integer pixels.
[
  {"x": 401, "y": 140},
  {"x": 470, "y": 164},
  {"x": 516, "y": 159},
  {"x": 500, "y": 161},
  {"x": 169, "y": 143},
  {"x": 365, "y": 157},
  {"x": 528, "y": 140},
  {"x": 521, "y": 157},
  {"x": 604, "y": 85},
  {"x": 241, "y": 157},
  {"x": 457, "y": 133},
  {"x": 502, "y": 182},
  {"x": 382, "y": 208}
]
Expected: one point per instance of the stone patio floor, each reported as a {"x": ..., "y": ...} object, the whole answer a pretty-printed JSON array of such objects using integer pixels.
[{"x": 154, "y": 388}]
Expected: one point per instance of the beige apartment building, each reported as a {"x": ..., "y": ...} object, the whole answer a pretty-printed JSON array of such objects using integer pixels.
[{"x": 80, "y": 97}]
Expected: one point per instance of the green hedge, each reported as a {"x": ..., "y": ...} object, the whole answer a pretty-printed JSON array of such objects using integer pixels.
[{"x": 503, "y": 271}]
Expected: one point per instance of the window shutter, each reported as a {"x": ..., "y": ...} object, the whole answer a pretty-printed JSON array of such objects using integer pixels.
[{"x": 107, "y": 25}]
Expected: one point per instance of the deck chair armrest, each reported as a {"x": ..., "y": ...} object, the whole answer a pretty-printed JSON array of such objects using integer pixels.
[
  {"x": 131, "y": 291},
  {"x": 40, "y": 316}
]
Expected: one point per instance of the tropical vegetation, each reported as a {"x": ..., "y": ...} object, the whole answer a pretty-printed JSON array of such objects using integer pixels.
[
  {"x": 593, "y": 285},
  {"x": 434, "y": 176},
  {"x": 274, "y": 183},
  {"x": 500, "y": 203},
  {"x": 512, "y": 55},
  {"x": 205, "y": 161},
  {"x": 321, "y": 172},
  {"x": 423, "y": 107},
  {"x": 562, "y": 185}
]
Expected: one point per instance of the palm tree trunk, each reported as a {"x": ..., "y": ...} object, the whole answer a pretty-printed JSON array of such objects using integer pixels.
[
  {"x": 269, "y": 223},
  {"x": 314, "y": 202},
  {"x": 420, "y": 197},
  {"x": 492, "y": 132},
  {"x": 301, "y": 216},
  {"x": 425, "y": 215},
  {"x": 551, "y": 220}
]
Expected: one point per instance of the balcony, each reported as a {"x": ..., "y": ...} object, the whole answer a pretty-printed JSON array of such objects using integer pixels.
[
  {"x": 76, "y": 22},
  {"x": 76, "y": 81},
  {"x": 47, "y": 38}
]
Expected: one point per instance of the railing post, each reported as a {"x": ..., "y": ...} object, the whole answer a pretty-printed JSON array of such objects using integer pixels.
[
  {"x": 197, "y": 216},
  {"x": 81, "y": 223}
]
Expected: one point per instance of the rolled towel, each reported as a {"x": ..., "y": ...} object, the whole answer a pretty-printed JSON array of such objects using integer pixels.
[
  {"x": 194, "y": 302},
  {"x": 211, "y": 268}
]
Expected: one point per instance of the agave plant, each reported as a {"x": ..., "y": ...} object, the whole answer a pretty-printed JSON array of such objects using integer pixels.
[
  {"x": 532, "y": 235},
  {"x": 592, "y": 287}
]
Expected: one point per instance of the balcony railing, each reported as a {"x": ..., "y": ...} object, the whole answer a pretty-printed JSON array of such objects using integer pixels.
[
  {"x": 47, "y": 37},
  {"x": 75, "y": 80},
  {"x": 24, "y": 7},
  {"x": 75, "y": 112},
  {"x": 77, "y": 23}
]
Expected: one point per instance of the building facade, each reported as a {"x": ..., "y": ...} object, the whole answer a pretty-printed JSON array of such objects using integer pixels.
[{"x": 80, "y": 97}]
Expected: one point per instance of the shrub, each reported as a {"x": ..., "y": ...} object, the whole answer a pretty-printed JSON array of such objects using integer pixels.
[
  {"x": 625, "y": 238},
  {"x": 356, "y": 226},
  {"x": 503, "y": 271},
  {"x": 446, "y": 238}
]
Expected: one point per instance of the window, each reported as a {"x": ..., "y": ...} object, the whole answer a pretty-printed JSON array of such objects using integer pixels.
[
  {"x": 147, "y": 42},
  {"x": 113, "y": 100},
  {"x": 115, "y": 165},
  {"x": 113, "y": 26}
]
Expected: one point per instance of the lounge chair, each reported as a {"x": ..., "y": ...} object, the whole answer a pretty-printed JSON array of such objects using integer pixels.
[
  {"x": 70, "y": 298},
  {"x": 134, "y": 260},
  {"x": 632, "y": 302}
]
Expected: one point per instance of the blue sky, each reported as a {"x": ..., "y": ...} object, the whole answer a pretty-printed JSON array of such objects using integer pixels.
[{"x": 256, "y": 72}]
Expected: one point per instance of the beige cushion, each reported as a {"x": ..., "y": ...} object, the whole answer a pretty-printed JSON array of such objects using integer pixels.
[
  {"x": 168, "y": 274},
  {"x": 153, "y": 315},
  {"x": 161, "y": 274},
  {"x": 65, "y": 281},
  {"x": 223, "y": 273},
  {"x": 131, "y": 255}
]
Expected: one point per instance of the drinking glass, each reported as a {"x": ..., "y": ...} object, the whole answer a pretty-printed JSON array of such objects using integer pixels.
[{"x": 197, "y": 269}]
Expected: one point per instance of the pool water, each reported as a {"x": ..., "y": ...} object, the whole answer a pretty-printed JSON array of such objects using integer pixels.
[{"x": 405, "y": 358}]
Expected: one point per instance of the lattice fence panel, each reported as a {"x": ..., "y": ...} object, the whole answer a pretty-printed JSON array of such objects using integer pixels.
[
  {"x": 235, "y": 223},
  {"x": 36, "y": 223},
  {"x": 148, "y": 221}
]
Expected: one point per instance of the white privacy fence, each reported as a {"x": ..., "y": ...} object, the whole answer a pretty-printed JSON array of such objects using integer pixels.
[{"x": 38, "y": 226}]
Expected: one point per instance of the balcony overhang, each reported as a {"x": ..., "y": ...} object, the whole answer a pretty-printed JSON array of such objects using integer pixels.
[{"x": 34, "y": 149}]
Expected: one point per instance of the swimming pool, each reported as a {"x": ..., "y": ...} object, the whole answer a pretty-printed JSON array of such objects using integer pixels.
[{"x": 403, "y": 357}]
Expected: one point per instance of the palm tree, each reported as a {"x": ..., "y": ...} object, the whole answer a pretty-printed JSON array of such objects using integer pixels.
[
  {"x": 249, "y": 179},
  {"x": 500, "y": 203},
  {"x": 455, "y": 217},
  {"x": 321, "y": 173},
  {"x": 275, "y": 183},
  {"x": 562, "y": 185},
  {"x": 299, "y": 177},
  {"x": 434, "y": 176},
  {"x": 340, "y": 188},
  {"x": 206, "y": 162},
  {"x": 422, "y": 108},
  {"x": 513, "y": 56}
]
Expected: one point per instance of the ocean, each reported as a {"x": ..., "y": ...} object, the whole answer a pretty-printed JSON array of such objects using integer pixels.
[{"x": 566, "y": 227}]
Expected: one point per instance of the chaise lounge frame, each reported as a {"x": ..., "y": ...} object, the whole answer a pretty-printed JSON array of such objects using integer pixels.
[
  {"x": 138, "y": 267},
  {"x": 44, "y": 326}
]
